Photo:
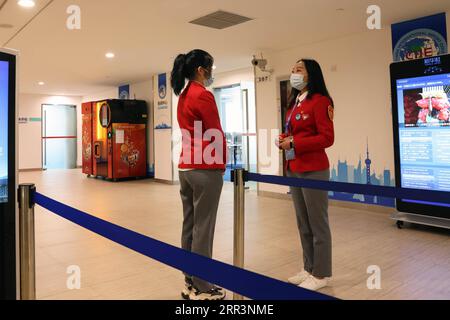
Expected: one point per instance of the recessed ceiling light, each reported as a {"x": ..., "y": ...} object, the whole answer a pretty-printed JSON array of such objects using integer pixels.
[
  {"x": 26, "y": 3},
  {"x": 110, "y": 55},
  {"x": 41, "y": 83},
  {"x": 214, "y": 67}
]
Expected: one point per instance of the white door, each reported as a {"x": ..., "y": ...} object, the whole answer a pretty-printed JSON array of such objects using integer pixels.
[{"x": 59, "y": 136}]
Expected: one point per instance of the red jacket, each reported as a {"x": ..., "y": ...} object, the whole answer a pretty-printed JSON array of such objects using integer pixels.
[
  {"x": 198, "y": 104},
  {"x": 312, "y": 127}
]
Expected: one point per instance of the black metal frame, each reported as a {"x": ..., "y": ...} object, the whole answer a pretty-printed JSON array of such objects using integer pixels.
[
  {"x": 404, "y": 70},
  {"x": 8, "y": 210}
]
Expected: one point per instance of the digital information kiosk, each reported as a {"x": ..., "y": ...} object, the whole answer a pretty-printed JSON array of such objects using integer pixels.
[
  {"x": 421, "y": 121},
  {"x": 7, "y": 175}
]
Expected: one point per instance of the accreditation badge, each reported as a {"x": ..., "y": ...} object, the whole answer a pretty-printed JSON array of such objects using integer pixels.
[{"x": 290, "y": 154}]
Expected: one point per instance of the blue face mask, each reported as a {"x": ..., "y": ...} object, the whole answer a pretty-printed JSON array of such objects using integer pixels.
[{"x": 298, "y": 81}]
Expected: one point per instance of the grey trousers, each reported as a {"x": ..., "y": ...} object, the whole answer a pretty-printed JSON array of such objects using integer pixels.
[
  {"x": 200, "y": 193},
  {"x": 311, "y": 207}
]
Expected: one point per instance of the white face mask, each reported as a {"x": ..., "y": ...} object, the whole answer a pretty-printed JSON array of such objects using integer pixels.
[
  {"x": 298, "y": 81},
  {"x": 208, "y": 82}
]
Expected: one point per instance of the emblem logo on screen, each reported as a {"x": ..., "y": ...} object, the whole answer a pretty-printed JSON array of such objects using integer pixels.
[{"x": 418, "y": 44}]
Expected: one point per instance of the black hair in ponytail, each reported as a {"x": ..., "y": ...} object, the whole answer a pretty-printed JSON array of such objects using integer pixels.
[{"x": 185, "y": 67}]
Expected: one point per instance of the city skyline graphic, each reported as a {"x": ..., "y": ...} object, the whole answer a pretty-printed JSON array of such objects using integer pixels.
[{"x": 362, "y": 173}]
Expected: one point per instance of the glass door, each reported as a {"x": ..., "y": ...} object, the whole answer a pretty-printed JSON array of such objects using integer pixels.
[
  {"x": 59, "y": 136},
  {"x": 237, "y": 112},
  {"x": 232, "y": 117}
]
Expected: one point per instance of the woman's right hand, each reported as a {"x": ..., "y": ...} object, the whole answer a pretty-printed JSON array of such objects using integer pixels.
[{"x": 280, "y": 139}]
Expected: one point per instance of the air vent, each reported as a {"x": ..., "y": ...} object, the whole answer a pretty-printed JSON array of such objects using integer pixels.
[
  {"x": 220, "y": 20},
  {"x": 6, "y": 26}
]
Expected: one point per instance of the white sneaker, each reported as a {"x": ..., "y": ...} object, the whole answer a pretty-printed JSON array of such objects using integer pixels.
[
  {"x": 299, "y": 278},
  {"x": 188, "y": 286},
  {"x": 314, "y": 284}
]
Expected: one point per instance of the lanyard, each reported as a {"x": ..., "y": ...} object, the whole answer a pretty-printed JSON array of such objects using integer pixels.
[
  {"x": 287, "y": 125},
  {"x": 298, "y": 103}
]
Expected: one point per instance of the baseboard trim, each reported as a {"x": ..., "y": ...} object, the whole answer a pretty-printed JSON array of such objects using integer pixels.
[
  {"x": 30, "y": 170},
  {"x": 274, "y": 195},
  {"x": 172, "y": 183},
  {"x": 362, "y": 206},
  {"x": 334, "y": 203}
]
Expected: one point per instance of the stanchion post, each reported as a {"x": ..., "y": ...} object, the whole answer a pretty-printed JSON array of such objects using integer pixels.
[
  {"x": 239, "y": 222},
  {"x": 26, "y": 242}
]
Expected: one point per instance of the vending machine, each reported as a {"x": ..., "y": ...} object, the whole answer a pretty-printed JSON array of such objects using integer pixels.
[
  {"x": 421, "y": 122},
  {"x": 114, "y": 142},
  {"x": 8, "y": 175}
]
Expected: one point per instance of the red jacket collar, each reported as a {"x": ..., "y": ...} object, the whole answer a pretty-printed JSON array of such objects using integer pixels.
[{"x": 195, "y": 83}]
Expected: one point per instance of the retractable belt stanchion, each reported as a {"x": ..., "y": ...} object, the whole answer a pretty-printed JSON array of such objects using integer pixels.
[
  {"x": 26, "y": 238},
  {"x": 239, "y": 221}
]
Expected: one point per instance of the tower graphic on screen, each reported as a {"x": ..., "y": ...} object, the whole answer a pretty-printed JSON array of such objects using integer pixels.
[{"x": 368, "y": 163}]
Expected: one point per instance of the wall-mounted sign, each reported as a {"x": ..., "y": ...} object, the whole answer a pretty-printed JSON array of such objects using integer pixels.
[
  {"x": 162, "y": 85},
  {"x": 420, "y": 38},
  {"x": 124, "y": 92},
  {"x": 163, "y": 112},
  {"x": 162, "y": 105}
]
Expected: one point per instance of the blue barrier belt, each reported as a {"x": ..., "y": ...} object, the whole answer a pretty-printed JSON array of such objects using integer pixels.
[
  {"x": 366, "y": 189},
  {"x": 243, "y": 282}
]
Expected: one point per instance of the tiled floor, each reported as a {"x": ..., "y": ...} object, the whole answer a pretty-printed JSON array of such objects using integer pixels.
[{"x": 414, "y": 262}]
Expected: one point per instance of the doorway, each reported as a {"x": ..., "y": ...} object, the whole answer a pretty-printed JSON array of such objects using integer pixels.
[
  {"x": 59, "y": 136},
  {"x": 237, "y": 111}
]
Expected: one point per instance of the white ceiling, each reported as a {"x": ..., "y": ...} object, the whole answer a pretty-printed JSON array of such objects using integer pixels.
[{"x": 146, "y": 35}]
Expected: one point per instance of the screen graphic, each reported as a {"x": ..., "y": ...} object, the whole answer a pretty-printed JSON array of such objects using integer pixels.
[
  {"x": 424, "y": 133},
  {"x": 4, "y": 74}
]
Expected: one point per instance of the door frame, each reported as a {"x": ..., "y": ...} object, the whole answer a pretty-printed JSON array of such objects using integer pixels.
[
  {"x": 244, "y": 96},
  {"x": 42, "y": 128}
]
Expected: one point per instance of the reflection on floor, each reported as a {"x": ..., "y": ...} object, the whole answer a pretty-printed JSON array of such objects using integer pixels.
[{"x": 414, "y": 262}]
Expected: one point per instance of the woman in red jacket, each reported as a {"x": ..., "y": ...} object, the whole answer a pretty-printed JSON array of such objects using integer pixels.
[
  {"x": 309, "y": 131},
  {"x": 202, "y": 162}
]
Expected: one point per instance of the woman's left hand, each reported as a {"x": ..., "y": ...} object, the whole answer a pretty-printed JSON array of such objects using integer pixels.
[{"x": 285, "y": 144}]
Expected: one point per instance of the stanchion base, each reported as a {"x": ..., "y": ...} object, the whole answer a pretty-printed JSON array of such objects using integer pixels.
[{"x": 420, "y": 219}]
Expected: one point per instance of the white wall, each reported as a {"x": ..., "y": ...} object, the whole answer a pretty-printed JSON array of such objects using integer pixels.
[
  {"x": 144, "y": 91},
  {"x": 164, "y": 165},
  {"x": 360, "y": 86},
  {"x": 176, "y": 138},
  {"x": 112, "y": 93},
  {"x": 30, "y": 134},
  {"x": 222, "y": 79}
]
